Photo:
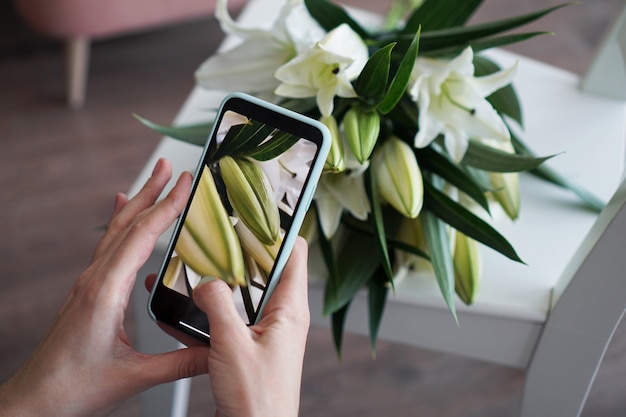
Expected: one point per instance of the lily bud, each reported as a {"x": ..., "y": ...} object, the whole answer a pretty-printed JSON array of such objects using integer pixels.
[
  {"x": 399, "y": 177},
  {"x": 506, "y": 185},
  {"x": 207, "y": 242},
  {"x": 334, "y": 161},
  {"x": 467, "y": 268},
  {"x": 411, "y": 232},
  {"x": 506, "y": 192},
  {"x": 263, "y": 255},
  {"x": 170, "y": 277},
  {"x": 362, "y": 128},
  {"x": 250, "y": 193}
]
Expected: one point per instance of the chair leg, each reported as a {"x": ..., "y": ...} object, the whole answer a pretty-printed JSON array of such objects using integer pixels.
[
  {"x": 77, "y": 68},
  {"x": 582, "y": 322}
]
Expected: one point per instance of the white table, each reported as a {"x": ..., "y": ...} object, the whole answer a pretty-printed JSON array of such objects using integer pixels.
[{"x": 514, "y": 301}]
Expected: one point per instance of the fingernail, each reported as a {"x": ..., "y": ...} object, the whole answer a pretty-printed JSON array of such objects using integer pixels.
[
  {"x": 156, "y": 166},
  {"x": 205, "y": 279}
]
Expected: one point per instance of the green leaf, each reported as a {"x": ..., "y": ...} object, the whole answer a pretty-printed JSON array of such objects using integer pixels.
[
  {"x": 500, "y": 41},
  {"x": 372, "y": 81},
  {"x": 400, "y": 80},
  {"x": 454, "y": 36},
  {"x": 441, "y": 14},
  {"x": 366, "y": 228},
  {"x": 433, "y": 161},
  {"x": 481, "y": 156},
  {"x": 504, "y": 100},
  {"x": 332, "y": 282},
  {"x": 484, "y": 44},
  {"x": 377, "y": 220},
  {"x": 465, "y": 221},
  {"x": 280, "y": 143},
  {"x": 396, "y": 244},
  {"x": 338, "y": 322},
  {"x": 329, "y": 16},
  {"x": 196, "y": 134},
  {"x": 546, "y": 173},
  {"x": 243, "y": 139},
  {"x": 438, "y": 244},
  {"x": 354, "y": 270},
  {"x": 377, "y": 297}
]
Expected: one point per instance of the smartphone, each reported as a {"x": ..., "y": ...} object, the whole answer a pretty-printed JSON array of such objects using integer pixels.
[{"x": 254, "y": 183}]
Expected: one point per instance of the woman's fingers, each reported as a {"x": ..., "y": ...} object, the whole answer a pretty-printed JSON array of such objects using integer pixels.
[
  {"x": 126, "y": 211},
  {"x": 137, "y": 243}
]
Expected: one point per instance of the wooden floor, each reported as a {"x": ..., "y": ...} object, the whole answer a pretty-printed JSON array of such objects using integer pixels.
[{"x": 59, "y": 171}]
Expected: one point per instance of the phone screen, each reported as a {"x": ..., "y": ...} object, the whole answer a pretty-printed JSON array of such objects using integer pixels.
[{"x": 252, "y": 181}]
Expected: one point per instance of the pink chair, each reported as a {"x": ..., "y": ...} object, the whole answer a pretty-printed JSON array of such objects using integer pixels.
[{"x": 78, "y": 22}]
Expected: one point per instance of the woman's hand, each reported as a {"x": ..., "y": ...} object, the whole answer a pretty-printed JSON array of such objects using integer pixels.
[
  {"x": 257, "y": 370},
  {"x": 86, "y": 366}
]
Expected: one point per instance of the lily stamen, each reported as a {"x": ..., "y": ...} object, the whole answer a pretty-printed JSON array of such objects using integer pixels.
[
  {"x": 446, "y": 94},
  {"x": 290, "y": 172}
]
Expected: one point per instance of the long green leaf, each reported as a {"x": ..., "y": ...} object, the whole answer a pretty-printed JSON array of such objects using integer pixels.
[
  {"x": 338, "y": 323},
  {"x": 465, "y": 221},
  {"x": 438, "y": 244},
  {"x": 377, "y": 297},
  {"x": 196, "y": 134},
  {"x": 396, "y": 244},
  {"x": 280, "y": 143},
  {"x": 546, "y": 173},
  {"x": 433, "y": 161},
  {"x": 332, "y": 282},
  {"x": 481, "y": 156},
  {"x": 366, "y": 228},
  {"x": 354, "y": 271},
  {"x": 243, "y": 139},
  {"x": 441, "y": 14},
  {"x": 504, "y": 40},
  {"x": 378, "y": 222},
  {"x": 372, "y": 81},
  {"x": 483, "y": 44},
  {"x": 401, "y": 78},
  {"x": 329, "y": 16},
  {"x": 445, "y": 38}
]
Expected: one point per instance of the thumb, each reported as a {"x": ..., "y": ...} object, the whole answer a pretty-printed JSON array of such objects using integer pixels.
[{"x": 215, "y": 299}]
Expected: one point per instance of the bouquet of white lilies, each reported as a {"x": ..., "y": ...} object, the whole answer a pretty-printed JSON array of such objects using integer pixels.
[{"x": 424, "y": 143}]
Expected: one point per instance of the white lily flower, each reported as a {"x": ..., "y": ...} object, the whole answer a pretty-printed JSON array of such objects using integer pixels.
[
  {"x": 288, "y": 172},
  {"x": 342, "y": 191},
  {"x": 453, "y": 102},
  {"x": 250, "y": 65},
  {"x": 325, "y": 70}
]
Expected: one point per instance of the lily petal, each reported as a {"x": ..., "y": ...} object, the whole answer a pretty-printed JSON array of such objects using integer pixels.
[{"x": 453, "y": 102}]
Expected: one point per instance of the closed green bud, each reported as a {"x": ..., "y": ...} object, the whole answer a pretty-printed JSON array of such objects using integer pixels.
[
  {"x": 207, "y": 242},
  {"x": 334, "y": 161},
  {"x": 263, "y": 255},
  {"x": 399, "y": 177},
  {"x": 250, "y": 193},
  {"x": 411, "y": 233},
  {"x": 362, "y": 128},
  {"x": 505, "y": 184},
  {"x": 506, "y": 192},
  {"x": 467, "y": 268}
]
